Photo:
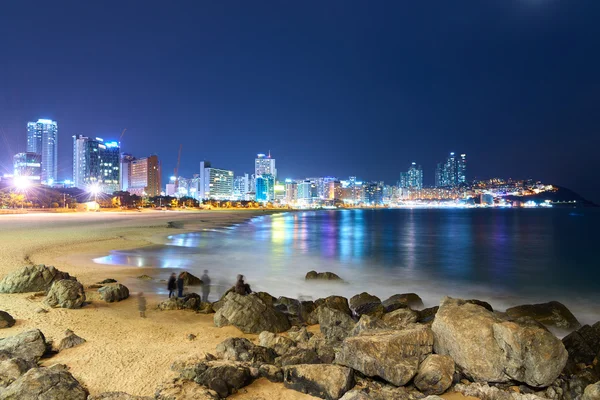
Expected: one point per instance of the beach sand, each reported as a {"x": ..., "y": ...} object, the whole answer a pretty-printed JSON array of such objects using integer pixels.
[{"x": 123, "y": 352}]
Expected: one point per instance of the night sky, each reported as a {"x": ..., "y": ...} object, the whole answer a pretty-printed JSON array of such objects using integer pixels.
[{"x": 332, "y": 88}]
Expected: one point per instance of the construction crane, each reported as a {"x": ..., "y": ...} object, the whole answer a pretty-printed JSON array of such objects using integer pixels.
[
  {"x": 122, "y": 133},
  {"x": 177, "y": 170}
]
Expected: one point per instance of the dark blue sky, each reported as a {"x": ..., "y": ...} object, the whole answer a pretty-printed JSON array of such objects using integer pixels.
[{"x": 330, "y": 87}]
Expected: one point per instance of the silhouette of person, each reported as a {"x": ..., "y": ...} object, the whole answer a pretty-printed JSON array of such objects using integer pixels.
[
  {"x": 142, "y": 304},
  {"x": 172, "y": 285},
  {"x": 180, "y": 285},
  {"x": 242, "y": 287},
  {"x": 205, "y": 286}
]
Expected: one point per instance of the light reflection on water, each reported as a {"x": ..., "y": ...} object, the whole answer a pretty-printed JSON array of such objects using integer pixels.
[{"x": 504, "y": 256}]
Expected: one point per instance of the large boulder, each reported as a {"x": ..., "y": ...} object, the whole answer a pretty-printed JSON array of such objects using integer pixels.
[
  {"x": 11, "y": 369},
  {"x": 280, "y": 344},
  {"x": 297, "y": 311},
  {"x": 335, "y": 302},
  {"x": 583, "y": 345},
  {"x": 224, "y": 377},
  {"x": 391, "y": 355},
  {"x": 367, "y": 323},
  {"x": 66, "y": 293},
  {"x": 191, "y": 280},
  {"x": 364, "y": 303},
  {"x": 550, "y": 314},
  {"x": 489, "y": 349},
  {"x": 325, "y": 381},
  {"x": 118, "y": 396},
  {"x": 251, "y": 314},
  {"x": 271, "y": 372},
  {"x": 296, "y": 356},
  {"x": 300, "y": 334},
  {"x": 323, "y": 276},
  {"x": 45, "y": 384},
  {"x": 592, "y": 392},
  {"x": 427, "y": 315},
  {"x": 322, "y": 347},
  {"x": 29, "y": 345},
  {"x": 6, "y": 320},
  {"x": 184, "y": 389},
  {"x": 435, "y": 374},
  {"x": 410, "y": 300},
  {"x": 113, "y": 293},
  {"x": 241, "y": 349},
  {"x": 32, "y": 278},
  {"x": 334, "y": 324},
  {"x": 401, "y": 318}
]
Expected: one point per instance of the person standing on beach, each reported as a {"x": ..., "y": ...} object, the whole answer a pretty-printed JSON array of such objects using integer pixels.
[
  {"x": 180, "y": 285},
  {"x": 142, "y": 304},
  {"x": 205, "y": 286},
  {"x": 242, "y": 287},
  {"x": 172, "y": 285}
]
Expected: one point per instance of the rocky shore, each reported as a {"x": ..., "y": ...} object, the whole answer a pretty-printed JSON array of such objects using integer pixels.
[{"x": 330, "y": 348}]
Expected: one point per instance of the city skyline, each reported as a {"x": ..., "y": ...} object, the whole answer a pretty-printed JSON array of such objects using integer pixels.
[{"x": 510, "y": 84}]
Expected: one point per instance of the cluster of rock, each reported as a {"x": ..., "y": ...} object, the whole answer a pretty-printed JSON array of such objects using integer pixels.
[
  {"x": 191, "y": 301},
  {"x": 61, "y": 289}
]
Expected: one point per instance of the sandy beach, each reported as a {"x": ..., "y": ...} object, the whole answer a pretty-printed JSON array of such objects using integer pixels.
[{"x": 123, "y": 352}]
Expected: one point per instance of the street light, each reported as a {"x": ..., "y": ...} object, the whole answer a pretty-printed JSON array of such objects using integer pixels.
[{"x": 95, "y": 189}]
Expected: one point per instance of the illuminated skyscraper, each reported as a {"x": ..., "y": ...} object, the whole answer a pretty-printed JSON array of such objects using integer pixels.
[
  {"x": 265, "y": 188},
  {"x": 42, "y": 138},
  {"x": 95, "y": 162},
  {"x": 461, "y": 169},
  {"x": 413, "y": 178},
  {"x": 265, "y": 165},
  {"x": 453, "y": 172},
  {"x": 215, "y": 183},
  {"x": 145, "y": 176}
]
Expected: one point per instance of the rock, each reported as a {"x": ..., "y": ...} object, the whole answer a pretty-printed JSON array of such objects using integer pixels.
[
  {"x": 367, "y": 323},
  {"x": 94, "y": 286},
  {"x": 191, "y": 280},
  {"x": 366, "y": 389},
  {"x": 297, "y": 356},
  {"x": 324, "y": 276},
  {"x": 365, "y": 303},
  {"x": 485, "y": 392},
  {"x": 592, "y": 392},
  {"x": 191, "y": 337},
  {"x": 334, "y": 324},
  {"x": 411, "y": 300},
  {"x": 241, "y": 349},
  {"x": 224, "y": 377},
  {"x": 583, "y": 345},
  {"x": 300, "y": 334},
  {"x": 391, "y": 355},
  {"x": 480, "y": 303},
  {"x": 66, "y": 293},
  {"x": 250, "y": 314},
  {"x": 400, "y": 318},
  {"x": 118, "y": 396},
  {"x": 427, "y": 315},
  {"x": 145, "y": 277},
  {"x": 266, "y": 298},
  {"x": 45, "y": 384},
  {"x": 112, "y": 293},
  {"x": 280, "y": 344},
  {"x": 13, "y": 368},
  {"x": 32, "y": 278},
  {"x": 435, "y": 374},
  {"x": 41, "y": 310},
  {"x": 324, "y": 349},
  {"x": 320, "y": 380},
  {"x": 184, "y": 389},
  {"x": 550, "y": 314},
  {"x": 29, "y": 345},
  {"x": 489, "y": 349},
  {"x": 107, "y": 281},
  {"x": 271, "y": 372},
  {"x": 70, "y": 340},
  {"x": 6, "y": 320},
  {"x": 334, "y": 302},
  {"x": 297, "y": 311}
]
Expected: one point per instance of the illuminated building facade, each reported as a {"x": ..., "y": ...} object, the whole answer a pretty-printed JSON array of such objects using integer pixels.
[
  {"x": 28, "y": 165},
  {"x": 95, "y": 162},
  {"x": 291, "y": 191},
  {"x": 453, "y": 172},
  {"x": 126, "y": 160},
  {"x": 373, "y": 194},
  {"x": 145, "y": 176},
  {"x": 241, "y": 187},
  {"x": 265, "y": 188},
  {"x": 413, "y": 178},
  {"x": 265, "y": 165},
  {"x": 215, "y": 183},
  {"x": 42, "y": 139}
]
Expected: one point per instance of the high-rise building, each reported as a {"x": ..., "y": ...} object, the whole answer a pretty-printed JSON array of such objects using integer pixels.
[
  {"x": 241, "y": 187},
  {"x": 453, "y": 172},
  {"x": 215, "y": 183},
  {"x": 415, "y": 176},
  {"x": 291, "y": 191},
  {"x": 373, "y": 193},
  {"x": 126, "y": 160},
  {"x": 28, "y": 165},
  {"x": 145, "y": 176},
  {"x": 42, "y": 138},
  {"x": 265, "y": 165},
  {"x": 95, "y": 162},
  {"x": 265, "y": 188}
]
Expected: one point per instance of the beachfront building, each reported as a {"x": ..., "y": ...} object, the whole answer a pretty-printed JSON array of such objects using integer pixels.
[
  {"x": 95, "y": 163},
  {"x": 242, "y": 187},
  {"x": 42, "y": 139},
  {"x": 215, "y": 183},
  {"x": 265, "y": 188},
  {"x": 452, "y": 172},
  {"x": 145, "y": 176},
  {"x": 28, "y": 165}
]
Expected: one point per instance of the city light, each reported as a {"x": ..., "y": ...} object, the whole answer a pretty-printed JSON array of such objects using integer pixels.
[{"x": 21, "y": 183}]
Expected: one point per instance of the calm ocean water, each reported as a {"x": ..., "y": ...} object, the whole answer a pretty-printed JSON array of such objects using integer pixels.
[{"x": 506, "y": 257}]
